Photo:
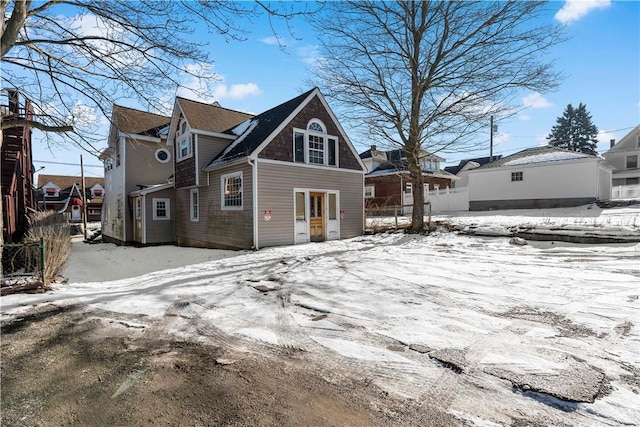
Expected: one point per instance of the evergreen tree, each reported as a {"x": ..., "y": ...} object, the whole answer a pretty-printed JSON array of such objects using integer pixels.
[{"x": 575, "y": 131}]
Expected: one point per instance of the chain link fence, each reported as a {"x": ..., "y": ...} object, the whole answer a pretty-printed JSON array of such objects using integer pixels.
[{"x": 23, "y": 267}]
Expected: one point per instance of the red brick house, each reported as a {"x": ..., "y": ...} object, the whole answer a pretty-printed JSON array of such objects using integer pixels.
[{"x": 388, "y": 183}]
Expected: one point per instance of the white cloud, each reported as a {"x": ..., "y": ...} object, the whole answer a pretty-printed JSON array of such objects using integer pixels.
[
  {"x": 573, "y": 10},
  {"x": 501, "y": 138},
  {"x": 524, "y": 117},
  {"x": 536, "y": 100},
  {"x": 236, "y": 91},
  {"x": 274, "y": 41},
  {"x": 541, "y": 139},
  {"x": 309, "y": 54}
]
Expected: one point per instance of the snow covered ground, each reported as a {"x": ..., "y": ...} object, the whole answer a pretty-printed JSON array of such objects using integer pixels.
[{"x": 494, "y": 332}]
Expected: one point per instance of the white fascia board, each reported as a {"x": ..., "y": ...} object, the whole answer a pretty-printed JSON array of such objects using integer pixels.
[
  {"x": 151, "y": 189},
  {"x": 175, "y": 118},
  {"x": 223, "y": 165},
  {"x": 307, "y": 166},
  {"x": 137, "y": 137},
  {"x": 214, "y": 134},
  {"x": 534, "y": 165}
]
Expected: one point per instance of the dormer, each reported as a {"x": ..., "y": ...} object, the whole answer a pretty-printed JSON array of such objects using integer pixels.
[
  {"x": 97, "y": 191},
  {"x": 51, "y": 190}
]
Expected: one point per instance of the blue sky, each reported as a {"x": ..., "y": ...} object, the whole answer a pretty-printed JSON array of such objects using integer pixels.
[{"x": 601, "y": 60}]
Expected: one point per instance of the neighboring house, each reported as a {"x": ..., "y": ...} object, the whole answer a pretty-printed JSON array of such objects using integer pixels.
[
  {"x": 388, "y": 182},
  {"x": 16, "y": 166},
  {"x": 288, "y": 175},
  {"x": 136, "y": 158},
  {"x": 540, "y": 177},
  {"x": 461, "y": 170},
  {"x": 624, "y": 157},
  {"x": 63, "y": 194}
]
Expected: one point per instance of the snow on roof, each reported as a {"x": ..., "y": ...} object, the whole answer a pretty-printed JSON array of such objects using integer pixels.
[
  {"x": 242, "y": 127},
  {"x": 249, "y": 126},
  {"x": 556, "y": 156}
]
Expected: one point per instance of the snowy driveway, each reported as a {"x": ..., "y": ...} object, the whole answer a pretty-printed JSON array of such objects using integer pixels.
[{"x": 493, "y": 332}]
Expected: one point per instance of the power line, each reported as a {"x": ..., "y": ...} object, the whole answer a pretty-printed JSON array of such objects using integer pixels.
[{"x": 67, "y": 164}]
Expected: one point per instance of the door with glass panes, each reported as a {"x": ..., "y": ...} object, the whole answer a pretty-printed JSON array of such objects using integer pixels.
[{"x": 316, "y": 217}]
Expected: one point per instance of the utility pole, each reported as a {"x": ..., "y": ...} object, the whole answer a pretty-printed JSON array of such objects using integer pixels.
[{"x": 84, "y": 200}]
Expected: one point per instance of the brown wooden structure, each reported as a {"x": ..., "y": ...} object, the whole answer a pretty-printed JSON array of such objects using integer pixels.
[{"x": 16, "y": 166}]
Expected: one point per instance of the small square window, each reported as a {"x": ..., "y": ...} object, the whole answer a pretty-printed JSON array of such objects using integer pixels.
[
  {"x": 369, "y": 191},
  {"x": 632, "y": 162},
  {"x": 161, "y": 209},
  {"x": 516, "y": 176}
]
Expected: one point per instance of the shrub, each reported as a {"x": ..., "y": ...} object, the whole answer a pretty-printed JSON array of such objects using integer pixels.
[{"x": 54, "y": 229}]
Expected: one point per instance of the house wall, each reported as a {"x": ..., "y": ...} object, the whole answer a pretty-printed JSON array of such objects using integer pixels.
[
  {"x": 276, "y": 182},
  {"x": 389, "y": 188},
  {"x": 543, "y": 186},
  {"x": 281, "y": 147},
  {"x": 216, "y": 228},
  {"x": 142, "y": 168},
  {"x": 112, "y": 224},
  {"x": 160, "y": 231},
  {"x": 185, "y": 172},
  {"x": 208, "y": 147}
]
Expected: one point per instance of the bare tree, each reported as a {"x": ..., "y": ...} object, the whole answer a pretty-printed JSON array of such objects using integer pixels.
[
  {"x": 73, "y": 57},
  {"x": 425, "y": 76}
]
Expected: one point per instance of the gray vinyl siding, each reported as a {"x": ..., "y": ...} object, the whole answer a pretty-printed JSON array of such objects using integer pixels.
[
  {"x": 160, "y": 231},
  {"x": 275, "y": 193},
  {"x": 142, "y": 168},
  {"x": 216, "y": 228},
  {"x": 113, "y": 227},
  {"x": 208, "y": 148}
]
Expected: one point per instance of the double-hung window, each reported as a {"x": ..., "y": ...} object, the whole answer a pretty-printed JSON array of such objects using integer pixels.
[
  {"x": 232, "y": 191},
  {"x": 314, "y": 146},
  {"x": 185, "y": 147}
]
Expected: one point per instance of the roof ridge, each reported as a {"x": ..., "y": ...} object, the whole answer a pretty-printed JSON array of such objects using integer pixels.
[
  {"x": 214, "y": 106},
  {"x": 141, "y": 111}
]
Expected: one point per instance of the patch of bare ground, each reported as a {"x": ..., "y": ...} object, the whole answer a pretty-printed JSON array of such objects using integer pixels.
[{"x": 65, "y": 366}]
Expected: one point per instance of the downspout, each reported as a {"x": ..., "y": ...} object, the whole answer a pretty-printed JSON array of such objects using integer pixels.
[
  {"x": 254, "y": 181},
  {"x": 143, "y": 218}
]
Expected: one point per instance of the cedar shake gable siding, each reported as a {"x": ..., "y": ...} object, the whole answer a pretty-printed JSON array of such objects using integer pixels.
[
  {"x": 281, "y": 147},
  {"x": 267, "y": 122}
]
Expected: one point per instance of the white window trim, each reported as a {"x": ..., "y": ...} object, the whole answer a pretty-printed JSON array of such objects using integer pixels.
[
  {"x": 325, "y": 136},
  {"x": 160, "y": 150},
  {"x": 155, "y": 209},
  {"x": 189, "y": 138},
  {"x": 196, "y": 217},
  {"x": 373, "y": 191},
  {"x": 223, "y": 179}
]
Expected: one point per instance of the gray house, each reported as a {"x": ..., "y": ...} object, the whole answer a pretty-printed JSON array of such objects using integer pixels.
[
  {"x": 289, "y": 175},
  {"x": 137, "y": 157}
]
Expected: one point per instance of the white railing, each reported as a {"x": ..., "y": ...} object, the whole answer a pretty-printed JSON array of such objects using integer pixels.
[{"x": 625, "y": 192}]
